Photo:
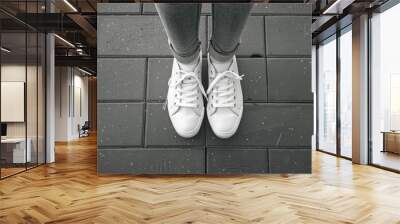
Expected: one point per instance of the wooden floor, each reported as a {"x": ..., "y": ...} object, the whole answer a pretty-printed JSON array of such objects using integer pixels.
[
  {"x": 70, "y": 191},
  {"x": 386, "y": 159}
]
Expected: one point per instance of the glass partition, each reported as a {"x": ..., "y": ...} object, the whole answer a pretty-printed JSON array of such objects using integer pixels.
[
  {"x": 41, "y": 107},
  {"x": 31, "y": 99},
  {"x": 22, "y": 88},
  {"x": 14, "y": 153},
  {"x": 327, "y": 95}
]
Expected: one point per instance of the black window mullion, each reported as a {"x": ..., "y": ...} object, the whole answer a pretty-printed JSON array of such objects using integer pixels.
[
  {"x": 317, "y": 96},
  {"x": 338, "y": 91},
  {"x": 37, "y": 90},
  {"x": 26, "y": 87}
]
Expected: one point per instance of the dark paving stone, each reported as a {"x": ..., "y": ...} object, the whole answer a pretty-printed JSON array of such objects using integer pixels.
[
  {"x": 161, "y": 133},
  {"x": 152, "y": 161},
  {"x": 120, "y": 124},
  {"x": 159, "y": 72},
  {"x": 288, "y": 35},
  {"x": 270, "y": 125},
  {"x": 252, "y": 40},
  {"x": 254, "y": 83},
  {"x": 282, "y": 8},
  {"x": 121, "y": 79},
  {"x": 237, "y": 161},
  {"x": 136, "y": 35},
  {"x": 290, "y": 160},
  {"x": 149, "y": 8},
  {"x": 289, "y": 79},
  {"x": 120, "y": 8},
  {"x": 126, "y": 148}
]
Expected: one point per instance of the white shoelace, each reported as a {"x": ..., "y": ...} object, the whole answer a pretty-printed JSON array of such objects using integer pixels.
[
  {"x": 186, "y": 89},
  {"x": 223, "y": 89}
]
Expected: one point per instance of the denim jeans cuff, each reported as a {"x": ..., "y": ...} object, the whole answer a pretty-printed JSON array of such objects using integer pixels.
[
  {"x": 186, "y": 57},
  {"x": 220, "y": 55}
]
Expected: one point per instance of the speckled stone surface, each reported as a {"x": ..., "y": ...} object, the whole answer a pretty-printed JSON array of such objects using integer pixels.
[
  {"x": 289, "y": 160},
  {"x": 289, "y": 80},
  {"x": 288, "y": 35},
  {"x": 121, "y": 8},
  {"x": 134, "y": 63},
  {"x": 121, "y": 78},
  {"x": 151, "y": 160},
  {"x": 120, "y": 124},
  {"x": 270, "y": 125},
  {"x": 236, "y": 160},
  {"x": 128, "y": 35}
]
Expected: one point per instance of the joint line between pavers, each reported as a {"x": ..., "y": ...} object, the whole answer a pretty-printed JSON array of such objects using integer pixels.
[{"x": 144, "y": 128}]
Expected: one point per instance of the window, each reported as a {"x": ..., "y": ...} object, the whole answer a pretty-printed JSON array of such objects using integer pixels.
[
  {"x": 327, "y": 95},
  {"x": 385, "y": 89},
  {"x": 346, "y": 75}
]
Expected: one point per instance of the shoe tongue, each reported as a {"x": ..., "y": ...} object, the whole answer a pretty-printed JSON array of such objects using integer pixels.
[
  {"x": 188, "y": 111},
  {"x": 222, "y": 83},
  {"x": 221, "y": 66},
  {"x": 188, "y": 67},
  {"x": 188, "y": 81}
]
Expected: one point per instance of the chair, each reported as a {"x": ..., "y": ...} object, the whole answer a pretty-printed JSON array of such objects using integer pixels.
[{"x": 84, "y": 130}]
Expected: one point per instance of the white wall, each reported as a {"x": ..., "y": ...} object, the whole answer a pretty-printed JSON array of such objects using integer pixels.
[
  {"x": 17, "y": 73},
  {"x": 62, "y": 81},
  {"x": 69, "y": 82},
  {"x": 79, "y": 117},
  {"x": 33, "y": 126}
]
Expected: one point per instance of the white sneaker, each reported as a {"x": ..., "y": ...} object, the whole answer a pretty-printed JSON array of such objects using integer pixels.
[
  {"x": 225, "y": 99},
  {"x": 185, "y": 100}
]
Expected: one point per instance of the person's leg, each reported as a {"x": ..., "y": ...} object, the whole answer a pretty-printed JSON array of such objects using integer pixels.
[
  {"x": 225, "y": 104},
  {"x": 181, "y": 23},
  {"x": 184, "y": 98},
  {"x": 228, "y": 23}
]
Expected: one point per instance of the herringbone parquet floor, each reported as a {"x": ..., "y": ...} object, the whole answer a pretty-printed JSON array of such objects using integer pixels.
[{"x": 70, "y": 191}]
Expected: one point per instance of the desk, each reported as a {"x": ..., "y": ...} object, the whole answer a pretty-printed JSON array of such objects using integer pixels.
[
  {"x": 16, "y": 147},
  {"x": 391, "y": 141}
]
